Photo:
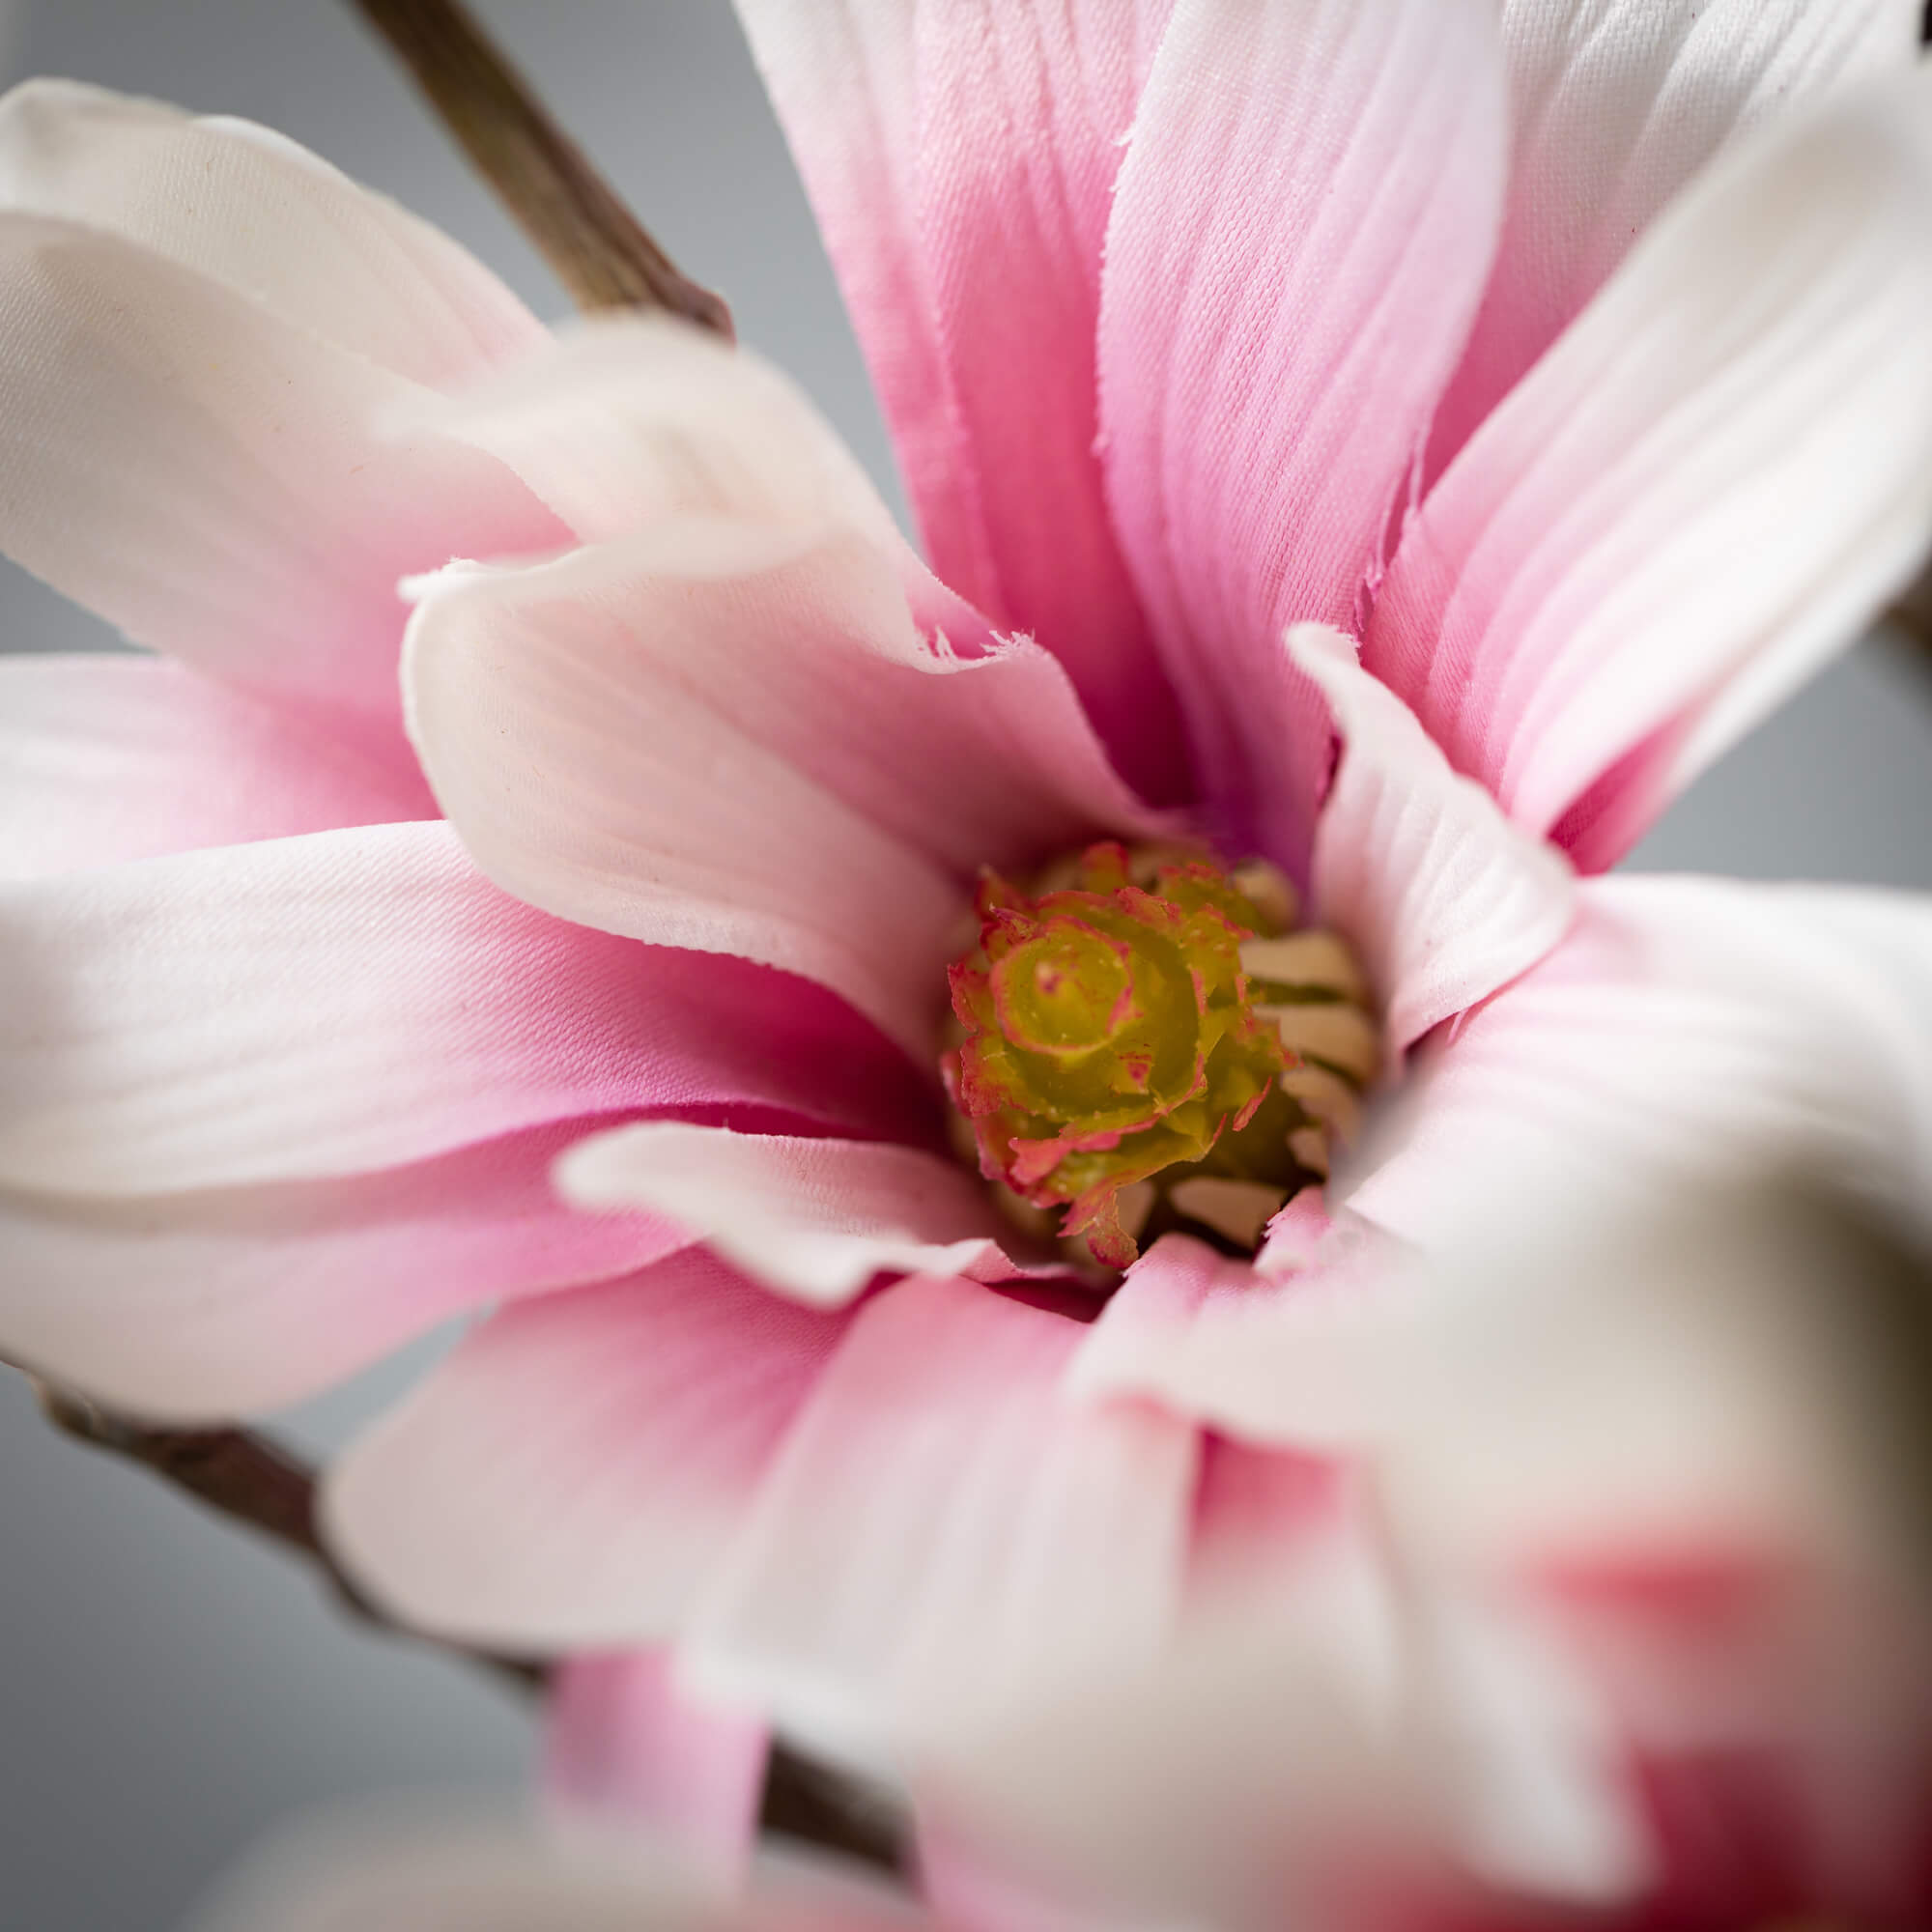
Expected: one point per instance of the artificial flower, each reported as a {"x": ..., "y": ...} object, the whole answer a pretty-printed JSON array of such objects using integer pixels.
[{"x": 1164, "y": 310}]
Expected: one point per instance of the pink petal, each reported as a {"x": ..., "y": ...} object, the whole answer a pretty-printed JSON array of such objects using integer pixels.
[
  {"x": 1614, "y": 109},
  {"x": 734, "y": 737},
  {"x": 323, "y": 1005},
  {"x": 570, "y": 1476},
  {"x": 1689, "y": 1030},
  {"x": 1256, "y": 1513},
  {"x": 1298, "y": 240},
  {"x": 961, "y": 160},
  {"x": 1703, "y": 491},
  {"x": 248, "y": 208},
  {"x": 198, "y": 471},
  {"x": 107, "y": 758},
  {"x": 813, "y": 1219},
  {"x": 939, "y": 1523},
  {"x": 628, "y": 1747},
  {"x": 1443, "y": 898},
  {"x": 1286, "y": 1361},
  {"x": 228, "y": 1302}
]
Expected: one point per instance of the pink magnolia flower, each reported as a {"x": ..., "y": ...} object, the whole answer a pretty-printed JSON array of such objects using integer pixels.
[{"x": 1174, "y": 313}]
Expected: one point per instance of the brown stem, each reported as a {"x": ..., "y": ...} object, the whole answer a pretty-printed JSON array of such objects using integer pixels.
[
  {"x": 592, "y": 240},
  {"x": 1911, "y": 612},
  {"x": 247, "y": 1479}
]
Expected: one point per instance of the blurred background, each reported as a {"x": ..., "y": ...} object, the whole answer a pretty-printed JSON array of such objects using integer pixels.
[{"x": 167, "y": 1688}]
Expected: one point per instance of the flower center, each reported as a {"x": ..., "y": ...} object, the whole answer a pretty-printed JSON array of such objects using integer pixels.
[{"x": 1141, "y": 1043}]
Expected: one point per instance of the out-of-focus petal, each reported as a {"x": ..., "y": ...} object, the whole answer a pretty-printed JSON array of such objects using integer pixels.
[
  {"x": 1614, "y": 107},
  {"x": 384, "y": 1867},
  {"x": 572, "y": 1473},
  {"x": 1687, "y": 1032},
  {"x": 246, "y": 1299},
  {"x": 1688, "y": 1029},
  {"x": 202, "y": 473},
  {"x": 1298, "y": 240},
  {"x": 108, "y": 758},
  {"x": 939, "y": 1523},
  {"x": 1443, "y": 898},
  {"x": 328, "y": 1004},
  {"x": 961, "y": 159},
  {"x": 813, "y": 1219},
  {"x": 734, "y": 737},
  {"x": 627, "y": 1747},
  {"x": 247, "y": 206},
  {"x": 1700, "y": 492}
]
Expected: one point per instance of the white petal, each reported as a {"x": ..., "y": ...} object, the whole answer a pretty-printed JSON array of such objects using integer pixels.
[
  {"x": 815, "y": 1219},
  {"x": 1444, "y": 898},
  {"x": 622, "y": 421},
  {"x": 1704, "y": 490},
  {"x": 1687, "y": 1029},
  {"x": 202, "y": 473},
  {"x": 247, "y": 206},
  {"x": 1614, "y": 107}
]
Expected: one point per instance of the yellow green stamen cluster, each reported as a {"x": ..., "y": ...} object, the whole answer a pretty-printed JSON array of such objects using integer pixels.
[{"x": 1119, "y": 1057}]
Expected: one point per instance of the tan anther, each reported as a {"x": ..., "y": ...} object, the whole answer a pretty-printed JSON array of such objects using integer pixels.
[
  {"x": 1270, "y": 891},
  {"x": 1316, "y": 961},
  {"x": 1310, "y": 1147},
  {"x": 1335, "y": 1105},
  {"x": 1237, "y": 1210},
  {"x": 1342, "y": 1037}
]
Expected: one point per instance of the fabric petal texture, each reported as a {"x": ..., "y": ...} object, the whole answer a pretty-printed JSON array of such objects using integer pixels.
[
  {"x": 234, "y": 1301},
  {"x": 812, "y": 1219},
  {"x": 248, "y": 208},
  {"x": 938, "y": 1523},
  {"x": 1298, "y": 240},
  {"x": 570, "y": 1475},
  {"x": 961, "y": 160},
  {"x": 196, "y": 469},
  {"x": 1444, "y": 900},
  {"x": 1615, "y": 107},
  {"x": 1689, "y": 1029},
  {"x": 1741, "y": 445},
  {"x": 328, "y": 1005},
  {"x": 754, "y": 709},
  {"x": 621, "y": 421},
  {"x": 103, "y": 759}
]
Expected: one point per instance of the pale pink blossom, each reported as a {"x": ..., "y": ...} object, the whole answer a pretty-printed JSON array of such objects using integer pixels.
[
  {"x": 444, "y": 1868},
  {"x": 1162, "y": 305}
]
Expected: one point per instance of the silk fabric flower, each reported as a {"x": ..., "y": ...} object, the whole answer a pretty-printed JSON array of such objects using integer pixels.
[{"x": 1264, "y": 407}]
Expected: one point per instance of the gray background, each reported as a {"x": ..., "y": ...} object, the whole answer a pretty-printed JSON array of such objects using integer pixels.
[{"x": 167, "y": 1687}]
